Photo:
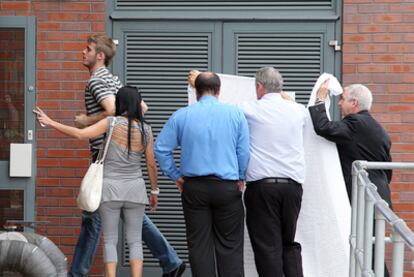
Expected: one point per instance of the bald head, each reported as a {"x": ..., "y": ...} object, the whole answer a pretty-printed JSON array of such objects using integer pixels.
[{"x": 207, "y": 83}]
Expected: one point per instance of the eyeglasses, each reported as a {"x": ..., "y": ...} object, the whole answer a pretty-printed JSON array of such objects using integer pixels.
[{"x": 348, "y": 100}]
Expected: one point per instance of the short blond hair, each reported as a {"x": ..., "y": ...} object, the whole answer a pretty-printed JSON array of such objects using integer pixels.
[{"x": 104, "y": 44}]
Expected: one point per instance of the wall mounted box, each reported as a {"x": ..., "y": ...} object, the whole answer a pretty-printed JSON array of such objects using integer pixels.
[{"x": 20, "y": 160}]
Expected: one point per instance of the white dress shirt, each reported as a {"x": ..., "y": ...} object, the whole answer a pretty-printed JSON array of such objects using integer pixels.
[{"x": 276, "y": 138}]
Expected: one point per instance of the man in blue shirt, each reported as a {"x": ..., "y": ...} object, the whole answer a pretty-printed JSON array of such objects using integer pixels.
[{"x": 214, "y": 141}]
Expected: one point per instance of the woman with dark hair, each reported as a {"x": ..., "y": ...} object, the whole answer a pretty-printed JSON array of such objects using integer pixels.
[{"x": 123, "y": 184}]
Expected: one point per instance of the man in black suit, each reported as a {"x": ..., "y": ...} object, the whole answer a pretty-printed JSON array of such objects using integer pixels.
[{"x": 358, "y": 136}]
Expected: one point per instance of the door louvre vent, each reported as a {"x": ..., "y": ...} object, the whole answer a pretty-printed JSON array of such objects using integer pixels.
[
  {"x": 296, "y": 56},
  {"x": 158, "y": 63}
]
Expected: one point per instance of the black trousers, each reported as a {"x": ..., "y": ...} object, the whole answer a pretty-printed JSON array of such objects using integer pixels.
[
  {"x": 214, "y": 219},
  {"x": 272, "y": 211}
]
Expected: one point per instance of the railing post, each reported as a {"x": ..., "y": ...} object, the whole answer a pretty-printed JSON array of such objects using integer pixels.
[
  {"x": 369, "y": 220},
  {"x": 379, "y": 242},
  {"x": 352, "y": 236},
  {"x": 360, "y": 229},
  {"x": 397, "y": 254},
  {"x": 360, "y": 238}
]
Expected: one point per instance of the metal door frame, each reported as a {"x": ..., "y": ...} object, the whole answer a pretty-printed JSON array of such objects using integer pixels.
[{"x": 27, "y": 184}]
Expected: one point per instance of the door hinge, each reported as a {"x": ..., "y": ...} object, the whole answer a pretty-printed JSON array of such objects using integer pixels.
[{"x": 335, "y": 44}]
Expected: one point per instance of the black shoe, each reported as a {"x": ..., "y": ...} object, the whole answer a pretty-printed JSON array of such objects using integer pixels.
[{"x": 176, "y": 272}]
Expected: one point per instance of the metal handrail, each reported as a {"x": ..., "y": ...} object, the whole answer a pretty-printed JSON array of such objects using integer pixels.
[{"x": 365, "y": 203}]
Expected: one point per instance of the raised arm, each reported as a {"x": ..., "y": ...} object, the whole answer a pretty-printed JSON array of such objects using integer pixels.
[
  {"x": 335, "y": 131},
  {"x": 90, "y": 132},
  {"x": 83, "y": 120},
  {"x": 108, "y": 104},
  {"x": 192, "y": 75}
]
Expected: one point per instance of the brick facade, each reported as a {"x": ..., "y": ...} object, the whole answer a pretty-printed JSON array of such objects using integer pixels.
[{"x": 378, "y": 50}]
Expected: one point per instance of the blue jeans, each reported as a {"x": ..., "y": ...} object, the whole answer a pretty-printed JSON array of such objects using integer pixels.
[
  {"x": 159, "y": 246},
  {"x": 89, "y": 236},
  {"x": 86, "y": 247}
]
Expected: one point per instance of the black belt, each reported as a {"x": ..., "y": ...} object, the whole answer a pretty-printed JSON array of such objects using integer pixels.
[
  {"x": 207, "y": 177},
  {"x": 273, "y": 181}
]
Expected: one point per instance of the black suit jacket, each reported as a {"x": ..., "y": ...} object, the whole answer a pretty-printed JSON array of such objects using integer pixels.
[{"x": 358, "y": 137}]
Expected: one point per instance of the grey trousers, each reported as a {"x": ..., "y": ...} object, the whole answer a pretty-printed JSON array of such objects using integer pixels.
[{"x": 133, "y": 216}]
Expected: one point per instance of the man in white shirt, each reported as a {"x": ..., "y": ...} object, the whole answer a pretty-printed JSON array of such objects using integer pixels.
[{"x": 275, "y": 173}]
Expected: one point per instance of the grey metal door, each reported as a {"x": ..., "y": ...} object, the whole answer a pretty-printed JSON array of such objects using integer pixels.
[
  {"x": 299, "y": 50},
  {"x": 17, "y": 122},
  {"x": 157, "y": 55}
]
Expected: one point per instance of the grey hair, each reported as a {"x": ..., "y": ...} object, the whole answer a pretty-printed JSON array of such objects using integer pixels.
[
  {"x": 362, "y": 94},
  {"x": 270, "y": 78}
]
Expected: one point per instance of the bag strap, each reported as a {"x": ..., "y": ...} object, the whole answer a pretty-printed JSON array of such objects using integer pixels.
[{"x": 108, "y": 140}]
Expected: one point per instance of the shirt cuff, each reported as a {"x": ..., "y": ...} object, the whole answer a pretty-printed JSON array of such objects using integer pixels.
[
  {"x": 319, "y": 101},
  {"x": 175, "y": 175}
]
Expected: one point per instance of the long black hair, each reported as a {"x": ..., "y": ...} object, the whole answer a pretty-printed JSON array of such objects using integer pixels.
[{"x": 128, "y": 103}]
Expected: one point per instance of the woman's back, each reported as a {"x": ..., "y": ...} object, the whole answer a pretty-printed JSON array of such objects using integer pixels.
[{"x": 122, "y": 172}]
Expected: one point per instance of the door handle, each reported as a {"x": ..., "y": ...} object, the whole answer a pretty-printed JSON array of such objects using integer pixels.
[{"x": 29, "y": 135}]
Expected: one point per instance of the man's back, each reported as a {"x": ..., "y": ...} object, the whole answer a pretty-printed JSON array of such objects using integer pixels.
[
  {"x": 214, "y": 141},
  {"x": 369, "y": 141},
  {"x": 276, "y": 138},
  {"x": 210, "y": 134},
  {"x": 358, "y": 137}
]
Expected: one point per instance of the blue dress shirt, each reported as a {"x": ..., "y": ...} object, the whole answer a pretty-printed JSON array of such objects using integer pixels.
[{"x": 214, "y": 140}]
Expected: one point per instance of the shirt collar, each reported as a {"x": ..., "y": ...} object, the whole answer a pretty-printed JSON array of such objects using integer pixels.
[
  {"x": 208, "y": 98},
  {"x": 271, "y": 95},
  {"x": 99, "y": 69}
]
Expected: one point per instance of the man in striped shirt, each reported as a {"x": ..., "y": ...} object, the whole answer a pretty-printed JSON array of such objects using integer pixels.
[
  {"x": 99, "y": 95},
  {"x": 100, "y": 102}
]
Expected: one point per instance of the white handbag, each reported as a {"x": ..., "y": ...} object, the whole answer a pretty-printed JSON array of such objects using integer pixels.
[{"x": 90, "y": 191}]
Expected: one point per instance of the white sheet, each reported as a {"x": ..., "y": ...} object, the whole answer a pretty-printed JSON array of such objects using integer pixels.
[
  {"x": 324, "y": 221},
  {"x": 325, "y": 218}
]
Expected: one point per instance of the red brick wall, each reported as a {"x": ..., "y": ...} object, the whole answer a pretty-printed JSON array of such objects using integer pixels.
[
  {"x": 378, "y": 51},
  {"x": 62, "y": 29}
]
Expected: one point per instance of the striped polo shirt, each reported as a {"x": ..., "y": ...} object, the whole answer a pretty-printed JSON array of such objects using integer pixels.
[{"x": 101, "y": 85}]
